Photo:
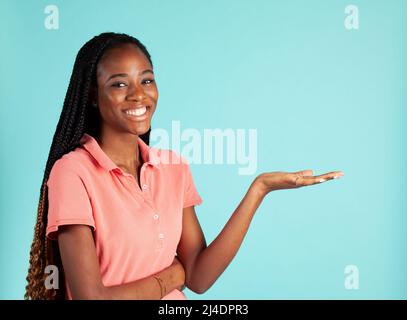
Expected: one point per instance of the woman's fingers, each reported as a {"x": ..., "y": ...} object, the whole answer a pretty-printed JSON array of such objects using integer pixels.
[
  {"x": 330, "y": 176},
  {"x": 310, "y": 180},
  {"x": 305, "y": 173}
]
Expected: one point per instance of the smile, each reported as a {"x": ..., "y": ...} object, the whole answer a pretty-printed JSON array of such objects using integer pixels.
[{"x": 137, "y": 114}]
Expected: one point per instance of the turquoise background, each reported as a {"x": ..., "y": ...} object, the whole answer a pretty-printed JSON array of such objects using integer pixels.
[{"x": 321, "y": 97}]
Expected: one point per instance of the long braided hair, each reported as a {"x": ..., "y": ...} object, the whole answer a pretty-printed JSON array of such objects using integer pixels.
[{"x": 77, "y": 117}]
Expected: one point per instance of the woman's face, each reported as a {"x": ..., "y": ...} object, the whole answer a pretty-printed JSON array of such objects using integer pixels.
[{"x": 126, "y": 90}]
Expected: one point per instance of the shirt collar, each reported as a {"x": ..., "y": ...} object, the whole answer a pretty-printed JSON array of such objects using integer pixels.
[{"x": 148, "y": 154}]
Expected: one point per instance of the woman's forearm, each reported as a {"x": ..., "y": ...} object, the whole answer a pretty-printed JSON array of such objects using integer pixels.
[
  {"x": 214, "y": 259},
  {"x": 148, "y": 288}
]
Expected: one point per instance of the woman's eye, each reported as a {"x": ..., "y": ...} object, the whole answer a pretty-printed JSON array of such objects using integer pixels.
[
  {"x": 148, "y": 81},
  {"x": 119, "y": 84}
]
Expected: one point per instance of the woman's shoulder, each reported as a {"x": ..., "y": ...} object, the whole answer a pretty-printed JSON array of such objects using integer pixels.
[{"x": 76, "y": 162}]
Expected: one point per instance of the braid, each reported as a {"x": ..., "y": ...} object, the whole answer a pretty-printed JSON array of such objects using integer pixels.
[{"x": 77, "y": 117}]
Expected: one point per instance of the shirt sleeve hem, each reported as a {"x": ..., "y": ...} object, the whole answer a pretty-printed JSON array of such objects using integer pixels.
[
  {"x": 192, "y": 202},
  {"x": 52, "y": 229}
]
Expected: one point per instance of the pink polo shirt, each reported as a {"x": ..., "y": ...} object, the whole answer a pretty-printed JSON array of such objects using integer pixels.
[{"x": 136, "y": 231}]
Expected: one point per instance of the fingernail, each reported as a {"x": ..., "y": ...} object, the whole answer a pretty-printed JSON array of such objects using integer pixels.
[
  {"x": 337, "y": 177},
  {"x": 322, "y": 180}
]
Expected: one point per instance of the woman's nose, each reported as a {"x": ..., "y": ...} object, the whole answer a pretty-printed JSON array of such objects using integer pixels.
[{"x": 136, "y": 93}]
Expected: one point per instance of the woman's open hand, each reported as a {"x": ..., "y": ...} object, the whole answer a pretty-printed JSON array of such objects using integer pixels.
[{"x": 270, "y": 181}]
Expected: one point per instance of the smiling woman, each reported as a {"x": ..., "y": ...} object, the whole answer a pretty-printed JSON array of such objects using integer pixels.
[
  {"x": 116, "y": 219},
  {"x": 126, "y": 90}
]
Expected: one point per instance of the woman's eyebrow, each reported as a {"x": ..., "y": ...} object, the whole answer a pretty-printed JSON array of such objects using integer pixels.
[
  {"x": 147, "y": 71},
  {"x": 117, "y": 75},
  {"x": 126, "y": 75}
]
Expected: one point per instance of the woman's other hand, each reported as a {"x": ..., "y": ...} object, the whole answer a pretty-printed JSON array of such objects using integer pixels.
[{"x": 271, "y": 181}]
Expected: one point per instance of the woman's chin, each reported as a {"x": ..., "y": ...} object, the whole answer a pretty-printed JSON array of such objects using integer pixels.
[{"x": 140, "y": 130}]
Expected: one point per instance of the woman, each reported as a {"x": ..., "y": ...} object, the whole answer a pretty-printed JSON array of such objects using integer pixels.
[{"x": 115, "y": 216}]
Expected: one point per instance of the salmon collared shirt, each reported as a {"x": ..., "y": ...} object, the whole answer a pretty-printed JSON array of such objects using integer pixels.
[{"x": 136, "y": 230}]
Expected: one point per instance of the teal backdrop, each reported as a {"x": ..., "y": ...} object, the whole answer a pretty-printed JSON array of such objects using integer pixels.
[{"x": 319, "y": 95}]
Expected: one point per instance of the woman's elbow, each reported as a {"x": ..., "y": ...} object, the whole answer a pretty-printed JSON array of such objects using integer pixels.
[{"x": 197, "y": 288}]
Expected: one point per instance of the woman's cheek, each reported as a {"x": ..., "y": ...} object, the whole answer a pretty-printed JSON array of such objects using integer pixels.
[
  {"x": 153, "y": 94},
  {"x": 115, "y": 95}
]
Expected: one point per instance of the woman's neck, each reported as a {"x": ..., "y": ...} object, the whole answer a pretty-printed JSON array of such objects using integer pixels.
[{"x": 123, "y": 150}]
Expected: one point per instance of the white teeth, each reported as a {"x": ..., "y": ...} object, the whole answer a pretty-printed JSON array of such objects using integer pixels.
[{"x": 137, "y": 112}]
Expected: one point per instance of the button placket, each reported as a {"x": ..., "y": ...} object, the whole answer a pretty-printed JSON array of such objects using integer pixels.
[
  {"x": 143, "y": 177},
  {"x": 143, "y": 181},
  {"x": 161, "y": 238},
  {"x": 145, "y": 188},
  {"x": 160, "y": 235}
]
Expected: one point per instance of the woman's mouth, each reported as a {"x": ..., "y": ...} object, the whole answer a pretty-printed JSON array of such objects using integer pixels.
[{"x": 137, "y": 114}]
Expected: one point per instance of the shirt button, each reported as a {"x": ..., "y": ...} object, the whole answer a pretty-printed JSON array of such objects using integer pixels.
[
  {"x": 161, "y": 236},
  {"x": 155, "y": 217},
  {"x": 145, "y": 187}
]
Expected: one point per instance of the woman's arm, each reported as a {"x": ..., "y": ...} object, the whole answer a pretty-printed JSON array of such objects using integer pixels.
[
  {"x": 204, "y": 264},
  {"x": 82, "y": 271}
]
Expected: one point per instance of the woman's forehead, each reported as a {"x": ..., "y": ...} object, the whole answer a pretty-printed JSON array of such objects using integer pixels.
[{"x": 124, "y": 59}]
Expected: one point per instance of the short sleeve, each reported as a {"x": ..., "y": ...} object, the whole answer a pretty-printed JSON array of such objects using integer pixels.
[
  {"x": 68, "y": 200},
  {"x": 191, "y": 196}
]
